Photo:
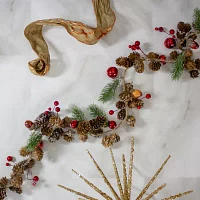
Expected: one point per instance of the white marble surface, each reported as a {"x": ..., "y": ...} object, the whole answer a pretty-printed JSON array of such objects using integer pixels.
[{"x": 169, "y": 123}]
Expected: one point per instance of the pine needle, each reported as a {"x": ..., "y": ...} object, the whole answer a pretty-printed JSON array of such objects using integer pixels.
[
  {"x": 109, "y": 90},
  {"x": 95, "y": 111},
  {"x": 33, "y": 141},
  {"x": 196, "y": 19},
  {"x": 178, "y": 68},
  {"x": 77, "y": 113}
]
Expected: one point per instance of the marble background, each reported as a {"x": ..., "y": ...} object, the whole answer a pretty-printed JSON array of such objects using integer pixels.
[{"x": 169, "y": 123}]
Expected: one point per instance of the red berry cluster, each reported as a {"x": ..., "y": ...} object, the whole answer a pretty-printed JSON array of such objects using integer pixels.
[
  {"x": 135, "y": 46},
  {"x": 9, "y": 159},
  {"x": 56, "y": 108},
  {"x": 35, "y": 180}
]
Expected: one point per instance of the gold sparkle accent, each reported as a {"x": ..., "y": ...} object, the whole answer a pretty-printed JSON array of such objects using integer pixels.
[{"x": 125, "y": 191}]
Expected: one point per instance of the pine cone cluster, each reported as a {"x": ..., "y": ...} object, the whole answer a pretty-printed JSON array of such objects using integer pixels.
[
  {"x": 109, "y": 140},
  {"x": 124, "y": 62},
  {"x": 56, "y": 135}
]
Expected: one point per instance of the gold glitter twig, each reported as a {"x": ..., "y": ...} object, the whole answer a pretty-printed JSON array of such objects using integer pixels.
[
  {"x": 178, "y": 195},
  {"x": 125, "y": 177}
]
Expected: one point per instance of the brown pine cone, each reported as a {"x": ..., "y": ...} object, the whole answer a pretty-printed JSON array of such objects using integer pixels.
[
  {"x": 193, "y": 36},
  {"x": 55, "y": 135},
  {"x": 131, "y": 121},
  {"x": 133, "y": 56},
  {"x": 124, "y": 62},
  {"x": 29, "y": 164},
  {"x": 120, "y": 105},
  {"x": 2, "y": 193},
  {"x": 38, "y": 154},
  {"x": 183, "y": 42},
  {"x": 194, "y": 74},
  {"x": 129, "y": 87},
  {"x": 18, "y": 168},
  {"x": 154, "y": 65},
  {"x": 187, "y": 28},
  {"x": 46, "y": 130},
  {"x": 121, "y": 114},
  {"x": 190, "y": 65},
  {"x": 197, "y": 62},
  {"x": 138, "y": 102},
  {"x": 95, "y": 124},
  {"x": 97, "y": 133},
  {"x": 68, "y": 138},
  {"x": 131, "y": 104},
  {"x": 174, "y": 55},
  {"x": 23, "y": 152},
  {"x": 3, "y": 182},
  {"x": 125, "y": 96},
  {"x": 139, "y": 66},
  {"x": 83, "y": 137},
  {"x": 65, "y": 122},
  {"x": 83, "y": 128},
  {"x": 152, "y": 55},
  {"x": 109, "y": 140},
  {"x": 102, "y": 121},
  {"x": 188, "y": 53},
  {"x": 54, "y": 120},
  {"x": 17, "y": 181},
  {"x": 181, "y": 26},
  {"x": 16, "y": 189},
  {"x": 42, "y": 119},
  {"x": 180, "y": 35}
]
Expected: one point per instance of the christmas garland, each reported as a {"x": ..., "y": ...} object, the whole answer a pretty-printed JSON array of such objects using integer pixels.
[{"x": 49, "y": 123}]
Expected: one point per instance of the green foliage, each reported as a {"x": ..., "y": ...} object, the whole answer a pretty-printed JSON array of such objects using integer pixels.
[
  {"x": 33, "y": 141},
  {"x": 196, "y": 19},
  {"x": 109, "y": 90},
  {"x": 95, "y": 111},
  {"x": 77, "y": 114},
  {"x": 178, "y": 67}
]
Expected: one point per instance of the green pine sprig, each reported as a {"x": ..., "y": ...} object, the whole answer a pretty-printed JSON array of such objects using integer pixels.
[
  {"x": 178, "y": 68},
  {"x": 196, "y": 19},
  {"x": 77, "y": 113},
  {"x": 109, "y": 90},
  {"x": 33, "y": 141},
  {"x": 95, "y": 111}
]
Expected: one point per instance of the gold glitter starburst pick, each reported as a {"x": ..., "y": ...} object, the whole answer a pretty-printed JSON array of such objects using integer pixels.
[{"x": 125, "y": 190}]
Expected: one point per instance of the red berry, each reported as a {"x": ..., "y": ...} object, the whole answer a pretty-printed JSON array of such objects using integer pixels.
[
  {"x": 137, "y": 43},
  {"x": 111, "y": 112},
  {"x": 148, "y": 96},
  {"x": 49, "y": 109},
  {"x": 194, "y": 45},
  {"x": 57, "y": 109},
  {"x": 35, "y": 178},
  {"x": 112, "y": 72},
  {"x": 7, "y": 164},
  {"x": 34, "y": 183},
  {"x": 56, "y": 103},
  {"x": 173, "y": 36},
  {"x": 133, "y": 47},
  {"x": 162, "y": 57},
  {"x": 137, "y": 47},
  {"x": 156, "y": 29},
  {"x": 139, "y": 107},
  {"x": 172, "y": 31},
  {"x": 170, "y": 43},
  {"x": 28, "y": 123},
  {"x": 161, "y": 29},
  {"x": 129, "y": 46},
  {"x": 112, "y": 124},
  {"x": 73, "y": 123},
  {"x": 41, "y": 144},
  {"x": 46, "y": 112},
  {"x": 9, "y": 158}
]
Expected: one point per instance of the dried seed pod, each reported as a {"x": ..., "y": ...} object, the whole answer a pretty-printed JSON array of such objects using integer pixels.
[{"x": 109, "y": 140}]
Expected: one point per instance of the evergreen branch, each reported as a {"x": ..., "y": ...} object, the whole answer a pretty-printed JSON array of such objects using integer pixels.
[
  {"x": 196, "y": 19},
  {"x": 95, "y": 111},
  {"x": 77, "y": 113},
  {"x": 178, "y": 67},
  {"x": 33, "y": 141},
  {"x": 109, "y": 90}
]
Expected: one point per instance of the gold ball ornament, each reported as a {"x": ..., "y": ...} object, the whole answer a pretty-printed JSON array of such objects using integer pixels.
[{"x": 137, "y": 93}]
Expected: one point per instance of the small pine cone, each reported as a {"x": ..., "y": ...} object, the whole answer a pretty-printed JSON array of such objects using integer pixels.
[
  {"x": 23, "y": 152},
  {"x": 54, "y": 120},
  {"x": 38, "y": 154},
  {"x": 83, "y": 137},
  {"x": 180, "y": 35},
  {"x": 17, "y": 181},
  {"x": 183, "y": 42},
  {"x": 109, "y": 140},
  {"x": 193, "y": 36},
  {"x": 188, "y": 53},
  {"x": 139, "y": 66},
  {"x": 133, "y": 56},
  {"x": 97, "y": 133},
  {"x": 83, "y": 128},
  {"x": 46, "y": 130},
  {"x": 154, "y": 66},
  {"x": 18, "y": 190},
  {"x": 42, "y": 119},
  {"x": 3, "y": 182},
  {"x": 187, "y": 28},
  {"x": 190, "y": 65},
  {"x": 129, "y": 87},
  {"x": 194, "y": 74},
  {"x": 55, "y": 135},
  {"x": 131, "y": 104},
  {"x": 121, "y": 114},
  {"x": 138, "y": 102},
  {"x": 125, "y": 96},
  {"x": 131, "y": 121},
  {"x": 120, "y": 105},
  {"x": 18, "y": 168},
  {"x": 174, "y": 55},
  {"x": 124, "y": 62},
  {"x": 2, "y": 193},
  {"x": 102, "y": 121},
  {"x": 94, "y": 123},
  {"x": 152, "y": 55},
  {"x": 29, "y": 164},
  {"x": 181, "y": 26},
  {"x": 68, "y": 138},
  {"x": 65, "y": 122},
  {"x": 197, "y": 62}
]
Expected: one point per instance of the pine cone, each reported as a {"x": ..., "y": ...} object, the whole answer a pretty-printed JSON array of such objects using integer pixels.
[
  {"x": 190, "y": 65},
  {"x": 129, "y": 87},
  {"x": 55, "y": 135},
  {"x": 194, "y": 74},
  {"x": 103, "y": 121},
  {"x": 152, "y": 55},
  {"x": 16, "y": 189},
  {"x": 124, "y": 62},
  {"x": 121, "y": 114},
  {"x": 38, "y": 154},
  {"x": 2, "y": 193},
  {"x": 183, "y": 42},
  {"x": 180, "y": 35},
  {"x": 193, "y": 36},
  {"x": 29, "y": 164},
  {"x": 133, "y": 56},
  {"x": 154, "y": 66},
  {"x": 98, "y": 122},
  {"x": 138, "y": 102},
  {"x": 54, "y": 120},
  {"x": 42, "y": 119},
  {"x": 188, "y": 53},
  {"x": 174, "y": 55},
  {"x": 46, "y": 130},
  {"x": 18, "y": 168},
  {"x": 139, "y": 66},
  {"x": 65, "y": 122},
  {"x": 125, "y": 96},
  {"x": 181, "y": 26},
  {"x": 197, "y": 62},
  {"x": 120, "y": 105},
  {"x": 109, "y": 140},
  {"x": 187, "y": 28},
  {"x": 97, "y": 133},
  {"x": 68, "y": 138},
  {"x": 17, "y": 181},
  {"x": 131, "y": 104},
  {"x": 83, "y": 128},
  {"x": 3, "y": 182},
  {"x": 83, "y": 137},
  {"x": 131, "y": 121},
  {"x": 23, "y": 152}
]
